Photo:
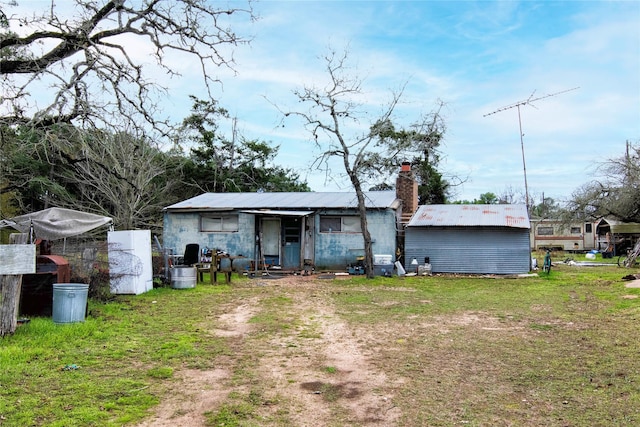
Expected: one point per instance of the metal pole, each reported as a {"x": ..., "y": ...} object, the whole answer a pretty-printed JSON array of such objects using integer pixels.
[{"x": 524, "y": 163}]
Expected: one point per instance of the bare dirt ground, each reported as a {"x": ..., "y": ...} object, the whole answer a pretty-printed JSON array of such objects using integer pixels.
[{"x": 318, "y": 371}]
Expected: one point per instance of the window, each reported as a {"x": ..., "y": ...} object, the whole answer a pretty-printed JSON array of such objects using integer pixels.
[
  {"x": 220, "y": 223},
  {"x": 340, "y": 224},
  {"x": 587, "y": 228},
  {"x": 575, "y": 230},
  {"x": 330, "y": 224},
  {"x": 351, "y": 224},
  {"x": 545, "y": 231}
]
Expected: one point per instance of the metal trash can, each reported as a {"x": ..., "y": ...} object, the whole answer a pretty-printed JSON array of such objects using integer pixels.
[
  {"x": 69, "y": 302},
  {"x": 183, "y": 277}
]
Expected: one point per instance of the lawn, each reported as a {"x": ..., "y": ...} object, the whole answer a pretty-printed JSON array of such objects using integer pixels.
[{"x": 557, "y": 350}]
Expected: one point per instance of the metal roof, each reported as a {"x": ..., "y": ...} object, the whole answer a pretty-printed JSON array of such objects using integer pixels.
[
  {"x": 286, "y": 201},
  {"x": 619, "y": 227},
  {"x": 470, "y": 215},
  {"x": 276, "y": 212}
]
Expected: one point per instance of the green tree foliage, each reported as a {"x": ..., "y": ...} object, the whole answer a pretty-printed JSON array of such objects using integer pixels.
[
  {"x": 420, "y": 143},
  {"x": 218, "y": 164},
  {"x": 483, "y": 199},
  {"x": 548, "y": 208},
  {"x": 488, "y": 199},
  {"x": 26, "y": 170},
  {"x": 433, "y": 188},
  {"x": 8, "y": 205},
  {"x": 127, "y": 176}
]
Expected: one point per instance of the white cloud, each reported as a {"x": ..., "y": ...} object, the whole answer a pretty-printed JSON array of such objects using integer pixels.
[{"x": 476, "y": 56}]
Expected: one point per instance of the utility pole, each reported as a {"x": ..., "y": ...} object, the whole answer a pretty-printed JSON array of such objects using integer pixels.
[{"x": 528, "y": 101}]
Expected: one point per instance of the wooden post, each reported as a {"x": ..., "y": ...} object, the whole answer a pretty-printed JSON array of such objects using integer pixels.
[
  {"x": 10, "y": 287},
  {"x": 16, "y": 260}
]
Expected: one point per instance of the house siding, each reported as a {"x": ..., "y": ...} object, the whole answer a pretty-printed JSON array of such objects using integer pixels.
[
  {"x": 183, "y": 228},
  {"x": 330, "y": 250},
  {"x": 336, "y": 250},
  {"x": 472, "y": 250}
]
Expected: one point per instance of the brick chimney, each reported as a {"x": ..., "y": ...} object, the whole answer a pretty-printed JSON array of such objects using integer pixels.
[{"x": 407, "y": 191}]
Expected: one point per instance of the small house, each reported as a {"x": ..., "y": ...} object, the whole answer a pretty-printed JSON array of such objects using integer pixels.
[
  {"x": 293, "y": 230},
  {"x": 285, "y": 230},
  {"x": 473, "y": 239}
]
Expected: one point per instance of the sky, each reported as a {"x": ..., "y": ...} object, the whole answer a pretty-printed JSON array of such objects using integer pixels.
[
  {"x": 581, "y": 58},
  {"x": 477, "y": 57}
]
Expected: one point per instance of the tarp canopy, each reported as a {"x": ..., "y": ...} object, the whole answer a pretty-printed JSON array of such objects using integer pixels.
[{"x": 56, "y": 223}]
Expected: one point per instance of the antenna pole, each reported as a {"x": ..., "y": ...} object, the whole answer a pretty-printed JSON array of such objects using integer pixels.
[
  {"x": 517, "y": 105},
  {"x": 524, "y": 163}
]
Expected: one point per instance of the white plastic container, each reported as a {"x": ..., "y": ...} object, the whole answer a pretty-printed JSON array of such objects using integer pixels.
[{"x": 382, "y": 259}]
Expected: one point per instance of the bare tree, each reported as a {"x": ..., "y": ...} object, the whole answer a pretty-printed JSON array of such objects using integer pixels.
[
  {"x": 115, "y": 173},
  {"x": 615, "y": 192},
  {"x": 88, "y": 66},
  {"x": 120, "y": 175},
  {"x": 365, "y": 155}
]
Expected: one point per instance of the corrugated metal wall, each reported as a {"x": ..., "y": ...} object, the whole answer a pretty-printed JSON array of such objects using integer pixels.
[{"x": 473, "y": 250}]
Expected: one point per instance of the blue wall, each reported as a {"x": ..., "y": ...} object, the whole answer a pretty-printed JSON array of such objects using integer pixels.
[
  {"x": 332, "y": 250},
  {"x": 183, "y": 228},
  {"x": 337, "y": 250}
]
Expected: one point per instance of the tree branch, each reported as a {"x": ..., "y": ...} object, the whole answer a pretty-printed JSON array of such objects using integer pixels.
[{"x": 89, "y": 46}]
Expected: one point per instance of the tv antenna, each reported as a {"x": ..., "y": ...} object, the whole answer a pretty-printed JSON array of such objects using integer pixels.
[{"x": 528, "y": 101}]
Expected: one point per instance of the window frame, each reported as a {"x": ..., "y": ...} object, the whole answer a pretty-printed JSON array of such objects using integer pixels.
[
  {"x": 226, "y": 223},
  {"x": 545, "y": 228},
  {"x": 348, "y": 224}
]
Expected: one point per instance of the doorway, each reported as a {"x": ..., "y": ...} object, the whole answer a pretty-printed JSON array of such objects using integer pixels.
[
  {"x": 270, "y": 241},
  {"x": 291, "y": 229}
]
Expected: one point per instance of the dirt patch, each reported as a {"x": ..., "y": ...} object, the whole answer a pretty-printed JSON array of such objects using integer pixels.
[
  {"x": 236, "y": 322},
  {"x": 338, "y": 372},
  {"x": 194, "y": 392},
  {"x": 633, "y": 284},
  {"x": 318, "y": 369}
]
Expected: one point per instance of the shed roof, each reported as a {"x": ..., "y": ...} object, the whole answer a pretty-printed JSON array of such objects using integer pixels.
[
  {"x": 619, "y": 227},
  {"x": 286, "y": 200},
  {"x": 514, "y": 216}
]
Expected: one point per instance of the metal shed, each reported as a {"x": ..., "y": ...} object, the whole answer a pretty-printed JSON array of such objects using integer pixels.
[{"x": 473, "y": 239}]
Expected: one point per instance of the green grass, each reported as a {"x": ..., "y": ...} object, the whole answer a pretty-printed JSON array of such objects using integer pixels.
[
  {"x": 121, "y": 353},
  {"x": 551, "y": 350},
  {"x": 570, "y": 355}
]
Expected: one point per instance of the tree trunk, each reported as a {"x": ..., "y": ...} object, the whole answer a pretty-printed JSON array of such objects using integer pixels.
[
  {"x": 10, "y": 287},
  {"x": 368, "y": 245}
]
